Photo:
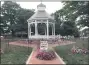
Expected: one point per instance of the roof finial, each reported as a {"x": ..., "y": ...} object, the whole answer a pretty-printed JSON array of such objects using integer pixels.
[{"x": 41, "y": 1}]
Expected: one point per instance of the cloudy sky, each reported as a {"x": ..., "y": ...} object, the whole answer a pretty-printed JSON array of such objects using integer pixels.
[{"x": 51, "y": 7}]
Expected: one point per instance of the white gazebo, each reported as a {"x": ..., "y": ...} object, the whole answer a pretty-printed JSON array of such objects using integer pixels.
[{"x": 39, "y": 19}]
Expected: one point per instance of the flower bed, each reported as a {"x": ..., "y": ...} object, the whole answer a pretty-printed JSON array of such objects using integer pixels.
[
  {"x": 46, "y": 55},
  {"x": 79, "y": 50}
]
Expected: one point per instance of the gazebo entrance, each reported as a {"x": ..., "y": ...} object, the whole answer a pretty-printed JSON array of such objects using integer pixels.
[{"x": 41, "y": 24}]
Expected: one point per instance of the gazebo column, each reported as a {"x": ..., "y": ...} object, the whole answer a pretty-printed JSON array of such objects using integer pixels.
[
  {"x": 36, "y": 30},
  {"x": 29, "y": 30},
  {"x": 54, "y": 28},
  {"x": 47, "y": 29}
]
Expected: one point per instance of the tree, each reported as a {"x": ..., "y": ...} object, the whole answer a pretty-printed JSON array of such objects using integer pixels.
[
  {"x": 22, "y": 15},
  {"x": 73, "y": 11},
  {"x": 67, "y": 28},
  {"x": 9, "y": 10},
  {"x": 1, "y": 23},
  {"x": 77, "y": 11},
  {"x": 58, "y": 22},
  {"x": 15, "y": 17}
]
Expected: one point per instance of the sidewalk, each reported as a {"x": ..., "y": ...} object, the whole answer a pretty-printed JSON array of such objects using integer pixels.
[{"x": 33, "y": 60}]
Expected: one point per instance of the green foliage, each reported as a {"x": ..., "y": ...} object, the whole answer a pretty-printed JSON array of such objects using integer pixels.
[
  {"x": 67, "y": 28},
  {"x": 14, "y": 17},
  {"x": 74, "y": 11},
  {"x": 22, "y": 24},
  {"x": 9, "y": 14},
  {"x": 78, "y": 9}
]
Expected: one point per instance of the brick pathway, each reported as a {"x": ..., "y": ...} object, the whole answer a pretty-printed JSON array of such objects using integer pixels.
[
  {"x": 23, "y": 43},
  {"x": 34, "y": 44},
  {"x": 33, "y": 60}
]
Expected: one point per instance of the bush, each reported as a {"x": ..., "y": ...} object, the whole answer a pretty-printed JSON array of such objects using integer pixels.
[{"x": 46, "y": 55}]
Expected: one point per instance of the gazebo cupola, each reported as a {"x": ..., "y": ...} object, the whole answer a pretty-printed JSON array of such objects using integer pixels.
[
  {"x": 41, "y": 19},
  {"x": 41, "y": 7}
]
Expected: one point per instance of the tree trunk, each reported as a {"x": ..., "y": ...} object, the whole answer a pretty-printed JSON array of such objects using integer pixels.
[{"x": 13, "y": 33}]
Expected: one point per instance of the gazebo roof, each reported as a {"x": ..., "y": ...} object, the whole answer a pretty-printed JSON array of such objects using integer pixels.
[{"x": 40, "y": 14}]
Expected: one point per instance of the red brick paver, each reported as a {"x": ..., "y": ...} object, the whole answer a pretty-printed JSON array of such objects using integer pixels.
[
  {"x": 35, "y": 43},
  {"x": 23, "y": 43},
  {"x": 34, "y": 60}
]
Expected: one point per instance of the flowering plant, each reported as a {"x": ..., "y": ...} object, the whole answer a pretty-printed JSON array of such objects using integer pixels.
[
  {"x": 46, "y": 55},
  {"x": 79, "y": 50}
]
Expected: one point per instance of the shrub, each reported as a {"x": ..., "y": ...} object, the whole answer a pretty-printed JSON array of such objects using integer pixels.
[{"x": 46, "y": 55}]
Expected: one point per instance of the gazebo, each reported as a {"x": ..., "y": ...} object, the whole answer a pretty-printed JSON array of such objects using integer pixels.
[{"x": 41, "y": 19}]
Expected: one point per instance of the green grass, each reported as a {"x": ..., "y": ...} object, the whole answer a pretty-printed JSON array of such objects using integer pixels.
[
  {"x": 69, "y": 57},
  {"x": 14, "y": 54}
]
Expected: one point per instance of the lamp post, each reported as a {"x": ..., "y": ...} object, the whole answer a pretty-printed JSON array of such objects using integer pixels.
[
  {"x": 87, "y": 35},
  {"x": 88, "y": 39}
]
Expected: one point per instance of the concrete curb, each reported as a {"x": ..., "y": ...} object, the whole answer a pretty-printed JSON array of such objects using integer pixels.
[
  {"x": 28, "y": 60},
  {"x": 60, "y": 59}
]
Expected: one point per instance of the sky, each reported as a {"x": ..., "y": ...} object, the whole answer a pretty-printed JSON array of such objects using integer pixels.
[{"x": 51, "y": 7}]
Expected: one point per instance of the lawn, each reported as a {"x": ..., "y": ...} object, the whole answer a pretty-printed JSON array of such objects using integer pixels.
[
  {"x": 69, "y": 57},
  {"x": 14, "y": 54}
]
